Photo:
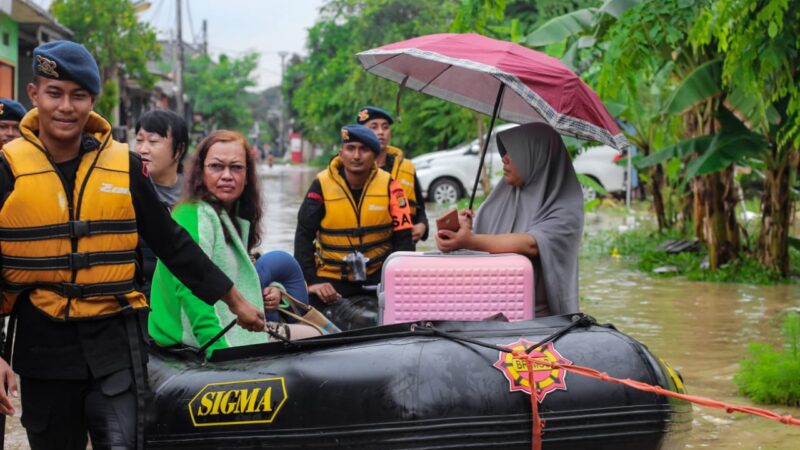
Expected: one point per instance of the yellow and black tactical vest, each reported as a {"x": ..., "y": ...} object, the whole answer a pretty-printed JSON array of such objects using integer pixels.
[
  {"x": 403, "y": 171},
  {"x": 72, "y": 252},
  {"x": 352, "y": 224}
]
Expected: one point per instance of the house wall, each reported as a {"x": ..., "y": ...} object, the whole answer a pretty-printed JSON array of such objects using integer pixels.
[{"x": 9, "y": 56}]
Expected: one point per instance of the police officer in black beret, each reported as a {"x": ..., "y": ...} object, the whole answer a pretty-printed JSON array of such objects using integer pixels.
[
  {"x": 354, "y": 215},
  {"x": 392, "y": 160},
  {"x": 74, "y": 203},
  {"x": 11, "y": 113}
]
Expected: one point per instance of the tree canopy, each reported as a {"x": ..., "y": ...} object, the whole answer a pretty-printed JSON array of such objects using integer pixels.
[
  {"x": 115, "y": 37},
  {"x": 219, "y": 90},
  {"x": 326, "y": 88},
  {"x": 113, "y": 34}
]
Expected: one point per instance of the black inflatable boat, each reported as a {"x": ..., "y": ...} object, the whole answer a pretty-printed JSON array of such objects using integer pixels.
[{"x": 416, "y": 386}]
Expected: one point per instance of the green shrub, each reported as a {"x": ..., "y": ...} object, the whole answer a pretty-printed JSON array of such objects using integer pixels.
[
  {"x": 770, "y": 376},
  {"x": 637, "y": 249}
]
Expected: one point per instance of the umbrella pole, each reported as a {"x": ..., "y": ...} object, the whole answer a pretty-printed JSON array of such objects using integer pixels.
[{"x": 486, "y": 143}]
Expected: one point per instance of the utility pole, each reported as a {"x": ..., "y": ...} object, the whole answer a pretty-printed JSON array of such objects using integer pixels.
[
  {"x": 281, "y": 148},
  {"x": 205, "y": 37},
  {"x": 179, "y": 71}
]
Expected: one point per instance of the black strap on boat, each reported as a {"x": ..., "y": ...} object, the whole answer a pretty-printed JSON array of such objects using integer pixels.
[
  {"x": 202, "y": 350},
  {"x": 285, "y": 339},
  {"x": 582, "y": 320},
  {"x": 130, "y": 317},
  {"x": 577, "y": 320},
  {"x": 8, "y": 347},
  {"x": 71, "y": 229}
]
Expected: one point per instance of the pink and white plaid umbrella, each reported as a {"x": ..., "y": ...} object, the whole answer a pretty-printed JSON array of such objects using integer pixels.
[{"x": 469, "y": 70}]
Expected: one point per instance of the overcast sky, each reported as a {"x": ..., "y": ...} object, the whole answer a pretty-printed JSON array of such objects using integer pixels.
[{"x": 236, "y": 27}]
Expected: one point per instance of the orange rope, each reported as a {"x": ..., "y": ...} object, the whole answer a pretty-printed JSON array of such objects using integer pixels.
[
  {"x": 703, "y": 401},
  {"x": 536, "y": 432}
]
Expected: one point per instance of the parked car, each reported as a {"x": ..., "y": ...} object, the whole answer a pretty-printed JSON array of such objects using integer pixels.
[
  {"x": 448, "y": 175},
  {"x": 600, "y": 164}
]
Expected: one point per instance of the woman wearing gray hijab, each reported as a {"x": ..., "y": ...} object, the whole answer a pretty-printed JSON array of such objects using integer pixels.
[{"x": 535, "y": 211}]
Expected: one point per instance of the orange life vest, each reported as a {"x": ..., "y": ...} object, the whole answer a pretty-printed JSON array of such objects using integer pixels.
[{"x": 72, "y": 252}]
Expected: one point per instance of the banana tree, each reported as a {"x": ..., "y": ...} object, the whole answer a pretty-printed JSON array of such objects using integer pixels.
[{"x": 760, "y": 40}]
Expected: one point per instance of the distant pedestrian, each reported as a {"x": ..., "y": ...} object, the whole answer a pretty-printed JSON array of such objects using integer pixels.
[{"x": 11, "y": 113}]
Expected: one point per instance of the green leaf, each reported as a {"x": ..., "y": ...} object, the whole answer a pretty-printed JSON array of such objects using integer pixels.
[
  {"x": 561, "y": 27},
  {"x": 729, "y": 146},
  {"x": 590, "y": 182},
  {"x": 705, "y": 81},
  {"x": 773, "y": 30},
  {"x": 570, "y": 58},
  {"x": 590, "y": 205},
  {"x": 752, "y": 107},
  {"x": 616, "y": 8},
  {"x": 680, "y": 149},
  {"x": 794, "y": 242},
  {"x": 615, "y": 108}
]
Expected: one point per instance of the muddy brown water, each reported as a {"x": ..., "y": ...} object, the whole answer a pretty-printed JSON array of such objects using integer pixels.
[{"x": 700, "y": 329}]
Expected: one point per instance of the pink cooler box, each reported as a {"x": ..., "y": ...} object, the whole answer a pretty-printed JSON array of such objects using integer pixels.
[{"x": 456, "y": 286}]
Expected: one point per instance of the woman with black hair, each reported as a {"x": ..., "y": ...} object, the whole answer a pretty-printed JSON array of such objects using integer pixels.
[{"x": 162, "y": 139}]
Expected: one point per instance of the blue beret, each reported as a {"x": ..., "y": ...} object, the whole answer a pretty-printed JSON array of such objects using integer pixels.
[
  {"x": 360, "y": 133},
  {"x": 66, "y": 60},
  {"x": 367, "y": 113},
  {"x": 11, "y": 110}
]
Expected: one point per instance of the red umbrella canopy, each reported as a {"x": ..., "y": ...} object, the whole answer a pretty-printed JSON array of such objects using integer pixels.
[{"x": 468, "y": 69}]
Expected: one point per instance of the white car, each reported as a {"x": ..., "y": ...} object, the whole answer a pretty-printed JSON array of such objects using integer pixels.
[
  {"x": 448, "y": 175},
  {"x": 600, "y": 164}
]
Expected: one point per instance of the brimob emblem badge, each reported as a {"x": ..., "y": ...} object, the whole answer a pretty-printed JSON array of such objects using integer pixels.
[
  {"x": 46, "y": 66},
  {"x": 546, "y": 379},
  {"x": 363, "y": 115},
  {"x": 1, "y": 109},
  {"x": 345, "y": 135}
]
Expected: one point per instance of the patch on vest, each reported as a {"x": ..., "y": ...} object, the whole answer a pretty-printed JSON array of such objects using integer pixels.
[
  {"x": 242, "y": 402},
  {"x": 111, "y": 189}
]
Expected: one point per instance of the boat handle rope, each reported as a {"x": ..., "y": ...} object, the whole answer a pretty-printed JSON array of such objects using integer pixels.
[
  {"x": 582, "y": 320},
  {"x": 538, "y": 423},
  {"x": 286, "y": 340}
]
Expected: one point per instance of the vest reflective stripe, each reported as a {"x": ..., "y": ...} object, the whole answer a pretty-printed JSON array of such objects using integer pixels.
[
  {"x": 349, "y": 226},
  {"x": 404, "y": 172},
  {"x": 73, "y": 253}
]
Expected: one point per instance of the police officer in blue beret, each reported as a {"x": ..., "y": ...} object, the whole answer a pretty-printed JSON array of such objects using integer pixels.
[
  {"x": 75, "y": 200},
  {"x": 11, "y": 113},
  {"x": 354, "y": 215},
  {"x": 392, "y": 160}
]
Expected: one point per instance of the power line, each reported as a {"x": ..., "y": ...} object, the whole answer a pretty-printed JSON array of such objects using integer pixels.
[
  {"x": 191, "y": 23},
  {"x": 156, "y": 11}
]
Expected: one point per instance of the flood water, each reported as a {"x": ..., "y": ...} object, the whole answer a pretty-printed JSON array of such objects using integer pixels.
[{"x": 700, "y": 329}]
